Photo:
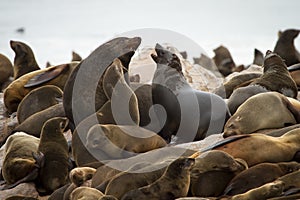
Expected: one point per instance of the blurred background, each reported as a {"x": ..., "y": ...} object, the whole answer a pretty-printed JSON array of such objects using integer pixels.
[{"x": 55, "y": 28}]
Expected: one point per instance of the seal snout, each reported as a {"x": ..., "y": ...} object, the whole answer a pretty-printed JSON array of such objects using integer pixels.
[{"x": 231, "y": 129}]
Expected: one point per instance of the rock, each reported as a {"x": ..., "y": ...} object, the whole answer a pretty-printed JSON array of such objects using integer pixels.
[
  {"x": 25, "y": 189},
  {"x": 251, "y": 69}
]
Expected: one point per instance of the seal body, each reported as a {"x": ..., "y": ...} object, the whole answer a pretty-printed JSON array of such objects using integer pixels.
[
  {"x": 78, "y": 101},
  {"x": 258, "y": 113},
  {"x": 54, "y": 148},
  {"x": 6, "y": 70},
  {"x": 285, "y": 47},
  {"x": 173, "y": 184},
  {"x": 224, "y": 60},
  {"x": 24, "y": 61},
  {"x": 38, "y": 100},
  {"x": 271, "y": 149},
  {"x": 187, "y": 113},
  {"x": 18, "y": 160},
  {"x": 19, "y": 88},
  {"x": 259, "y": 175}
]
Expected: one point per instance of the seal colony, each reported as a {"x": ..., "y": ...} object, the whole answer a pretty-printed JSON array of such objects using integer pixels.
[{"x": 90, "y": 130}]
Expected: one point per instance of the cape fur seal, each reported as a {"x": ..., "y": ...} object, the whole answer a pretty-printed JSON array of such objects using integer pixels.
[
  {"x": 272, "y": 189},
  {"x": 258, "y": 113},
  {"x": 259, "y": 175},
  {"x": 6, "y": 70},
  {"x": 24, "y": 61},
  {"x": 276, "y": 77},
  {"x": 187, "y": 112},
  {"x": 271, "y": 149},
  {"x": 38, "y": 100},
  {"x": 212, "y": 172},
  {"x": 87, "y": 95},
  {"x": 285, "y": 47},
  {"x": 119, "y": 141},
  {"x": 18, "y": 89},
  {"x": 224, "y": 60},
  {"x": 19, "y": 165},
  {"x": 85, "y": 193},
  {"x": 174, "y": 183},
  {"x": 34, "y": 123},
  {"x": 121, "y": 108},
  {"x": 54, "y": 149}
]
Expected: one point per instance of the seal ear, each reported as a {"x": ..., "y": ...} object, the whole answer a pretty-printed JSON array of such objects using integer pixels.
[{"x": 46, "y": 76}]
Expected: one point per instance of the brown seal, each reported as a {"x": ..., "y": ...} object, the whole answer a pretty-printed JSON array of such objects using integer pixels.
[
  {"x": 226, "y": 90},
  {"x": 254, "y": 115},
  {"x": 121, "y": 108},
  {"x": 224, "y": 60},
  {"x": 6, "y": 70},
  {"x": 54, "y": 149},
  {"x": 274, "y": 189},
  {"x": 284, "y": 148},
  {"x": 285, "y": 47},
  {"x": 38, "y": 100},
  {"x": 186, "y": 112},
  {"x": 276, "y": 77},
  {"x": 86, "y": 193},
  {"x": 173, "y": 184},
  {"x": 19, "y": 164},
  {"x": 18, "y": 89},
  {"x": 212, "y": 172},
  {"x": 259, "y": 175},
  {"x": 24, "y": 61},
  {"x": 33, "y": 124},
  {"x": 295, "y": 73},
  {"x": 76, "y": 57},
  {"x": 121, "y": 141},
  {"x": 126, "y": 181},
  {"x": 86, "y": 78}
]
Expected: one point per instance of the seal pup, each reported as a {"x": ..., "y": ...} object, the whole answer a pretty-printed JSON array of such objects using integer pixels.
[
  {"x": 6, "y": 70},
  {"x": 33, "y": 124},
  {"x": 212, "y": 172},
  {"x": 247, "y": 118},
  {"x": 271, "y": 149},
  {"x": 126, "y": 181},
  {"x": 173, "y": 184},
  {"x": 285, "y": 47},
  {"x": 76, "y": 57},
  {"x": 37, "y": 100},
  {"x": 259, "y": 175},
  {"x": 18, "y": 89},
  {"x": 19, "y": 165},
  {"x": 121, "y": 141},
  {"x": 89, "y": 72},
  {"x": 187, "y": 112},
  {"x": 24, "y": 61},
  {"x": 54, "y": 148},
  {"x": 224, "y": 60}
]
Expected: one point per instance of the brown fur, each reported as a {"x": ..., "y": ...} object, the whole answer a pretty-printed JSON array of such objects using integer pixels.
[
  {"x": 15, "y": 92},
  {"x": 6, "y": 69},
  {"x": 38, "y": 100},
  {"x": 24, "y": 61}
]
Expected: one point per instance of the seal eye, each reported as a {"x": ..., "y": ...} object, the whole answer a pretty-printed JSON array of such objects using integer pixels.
[{"x": 62, "y": 125}]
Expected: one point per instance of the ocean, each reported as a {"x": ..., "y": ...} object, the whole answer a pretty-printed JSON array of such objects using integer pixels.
[{"x": 55, "y": 28}]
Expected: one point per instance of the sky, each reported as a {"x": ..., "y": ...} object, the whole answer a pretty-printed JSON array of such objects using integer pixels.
[{"x": 54, "y": 28}]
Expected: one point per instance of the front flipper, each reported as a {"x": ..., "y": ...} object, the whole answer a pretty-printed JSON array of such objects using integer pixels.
[{"x": 46, "y": 76}]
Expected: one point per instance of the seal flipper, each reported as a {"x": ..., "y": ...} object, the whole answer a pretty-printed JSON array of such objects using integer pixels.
[
  {"x": 294, "y": 67},
  {"x": 46, "y": 76},
  {"x": 30, "y": 177},
  {"x": 225, "y": 141}
]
